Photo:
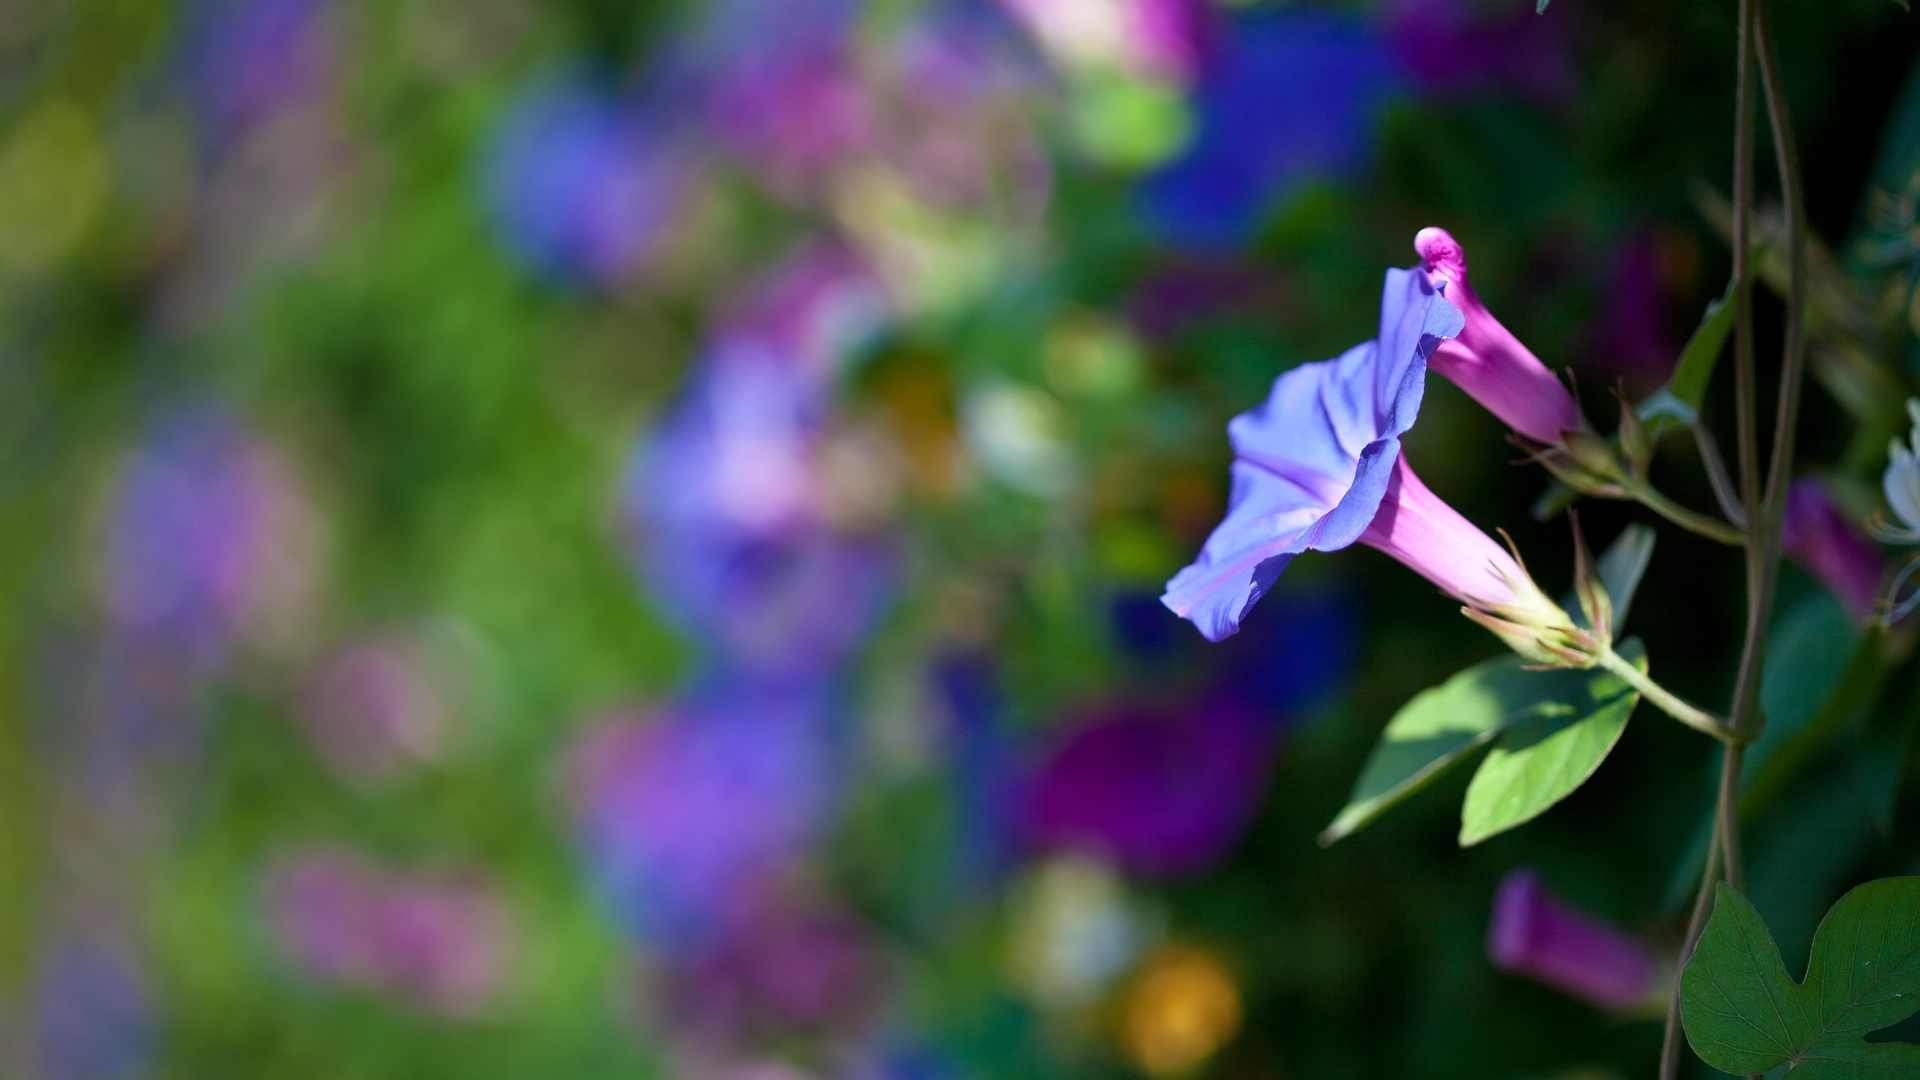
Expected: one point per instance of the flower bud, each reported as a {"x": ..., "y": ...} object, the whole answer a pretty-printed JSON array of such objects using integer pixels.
[{"x": 1536, "y": 935}]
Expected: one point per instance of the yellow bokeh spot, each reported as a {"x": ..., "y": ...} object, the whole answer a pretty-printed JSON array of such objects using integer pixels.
[
  {"x": 51, "y": 175},
  {"x": 1182, "y": 1008}
]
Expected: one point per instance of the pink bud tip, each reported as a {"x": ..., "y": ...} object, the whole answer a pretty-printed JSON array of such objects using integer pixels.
[{"x": 1440, "y": 253}]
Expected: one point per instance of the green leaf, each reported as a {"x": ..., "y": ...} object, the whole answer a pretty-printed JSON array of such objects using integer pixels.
[
  {"x": 1443, "y": 725},
  {"x": 1803, "y": 672},
  {"x": 1744, "y": 1014},
  {"x": 1547, "y": 753},
  {"x": 1695, "y": 367}
]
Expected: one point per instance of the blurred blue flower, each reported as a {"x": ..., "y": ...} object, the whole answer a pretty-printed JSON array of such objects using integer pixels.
[
  {"x": 1288, "y": 96},
  {"x": 92, "y": 1016},
  {"x": 1304, "y": 649},
  {"x": 245, "y": 61},
  {"x": 687, "y": 815},
  {"x": 1312, "y": 463},
  {"x": 581, "y": 182}
]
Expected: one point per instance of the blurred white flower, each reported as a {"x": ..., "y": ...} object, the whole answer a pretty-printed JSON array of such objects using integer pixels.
[
  {"x": 1902, "y": 485},
  {"x": 1014, "y": 432}
]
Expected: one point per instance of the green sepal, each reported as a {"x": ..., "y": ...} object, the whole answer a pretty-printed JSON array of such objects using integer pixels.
[{"x": 1744, "y": 1014}]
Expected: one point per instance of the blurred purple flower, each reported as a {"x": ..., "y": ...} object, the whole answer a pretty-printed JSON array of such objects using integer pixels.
[
  {"x": 208, "y": 539},
  {"x": 1157, "y": 794},
  {"x": 581, "y": 182},
  {"x": 686, "y": 814},
  {"x": 1629, "y": 335},
  {"x": 246, "y": 61},
  {"x": 1454, "y": 47},
  {"x": 373, "y": 708},
  {"x": 318, "y": 903},
  {"x": 1313, "y": 463},
  {"x": 1536, "y": 935},
  {"x": 1815, "y": 535},
  {"x": 440, "y": 941},
  {"x": 781, "y": 90},
  {"x": 782, "y": 970},
  {"x": 1487, "y": 360},
  {"x": 92, "y": 1016},
  {"x": 723, "y": 496},
  {"x": 1288, "y": 96}
]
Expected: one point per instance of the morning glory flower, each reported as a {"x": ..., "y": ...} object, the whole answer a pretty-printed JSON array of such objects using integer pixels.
[
  {"x": 1313, "y": 463},
  {"x": 1901, "y": 482},
  {"x": 1535, "y": 934},
  {"x": 1487, "y": 361},
  {"x": 1815, "y": 535}
]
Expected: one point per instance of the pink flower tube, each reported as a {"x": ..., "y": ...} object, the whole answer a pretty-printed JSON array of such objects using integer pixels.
[
  {"x": 1486, "y": 360},
  {"x": 1536, "y": 935},
  {"x": 1816, "y": 536},
  {"x": 1431, "y": 538}
]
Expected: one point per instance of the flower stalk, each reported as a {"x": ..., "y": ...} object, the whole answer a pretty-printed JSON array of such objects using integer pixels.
[{"x": 1668, "y": 702}]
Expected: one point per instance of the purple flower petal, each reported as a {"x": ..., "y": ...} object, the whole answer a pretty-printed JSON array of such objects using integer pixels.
[{"x": 1312, "y": 464}]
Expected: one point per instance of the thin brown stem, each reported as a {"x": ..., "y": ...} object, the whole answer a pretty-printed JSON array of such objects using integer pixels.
[
  {"x": 1697, "y": 925},
  {"x": 1760, "y": 528}
]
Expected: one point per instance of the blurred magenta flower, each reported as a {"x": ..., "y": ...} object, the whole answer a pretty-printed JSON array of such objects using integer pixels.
[
  {"x": 245, "y": 61},
  {"x": 1157, "y": 794},
  {"x": 209, "y": 539},
  {"x": 582, "y": 182},
  {"x": 92, "y": 1016},
  {"x": 373, "y": 708},
  {"x": 1815, "y": 535},
  {"x": 1453, "y": 47},
  {"x": 1487, "y": 361},
  {"x": 687, "y": 814},
  {"x": 1312, "y": 464},
  {"x": 1286, "y": 97},
  {"x": 1536, "y": 935},
  {"x": 440, "y": 941}
]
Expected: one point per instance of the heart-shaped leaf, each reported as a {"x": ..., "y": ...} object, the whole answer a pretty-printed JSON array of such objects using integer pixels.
[
  {"x": 1744, "y": 1014},
  {"x": 1442, "y": 726}
]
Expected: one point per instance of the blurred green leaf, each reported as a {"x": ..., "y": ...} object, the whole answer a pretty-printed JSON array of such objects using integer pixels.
[
  {"x": 1441, "y": 726},
  {"x": 1805, "y": 667},
  {"x": 1545, "y": 754},
  {"x": 1744, "y": 1014}
]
